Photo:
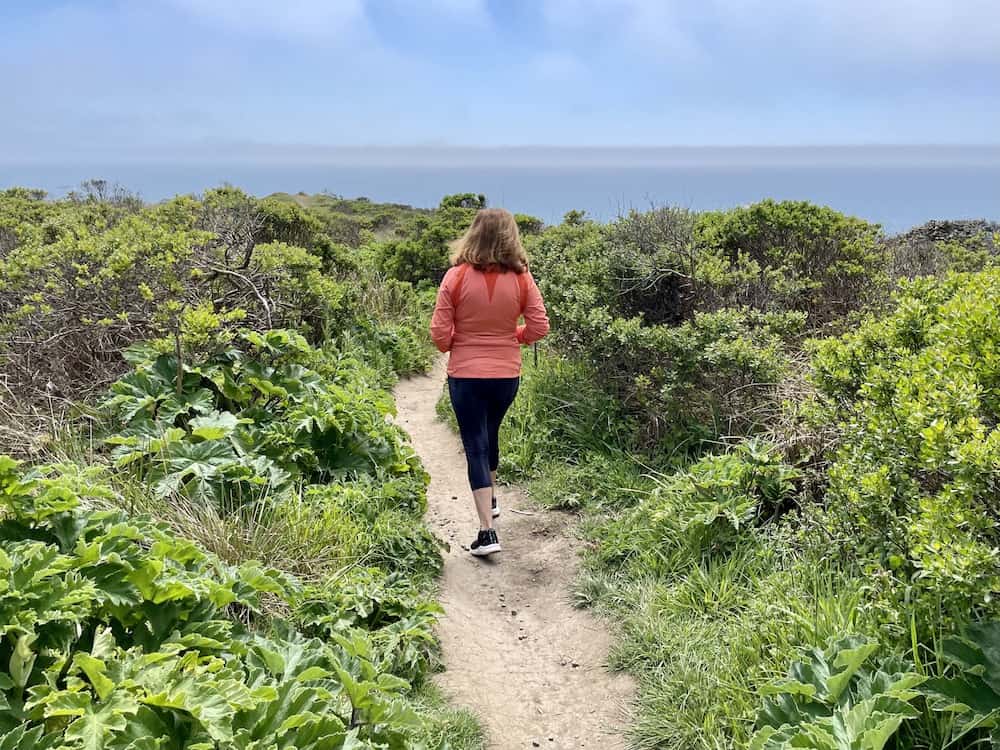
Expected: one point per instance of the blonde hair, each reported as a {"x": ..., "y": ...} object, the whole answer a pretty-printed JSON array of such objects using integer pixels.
[{"x": 492, "y": 240}]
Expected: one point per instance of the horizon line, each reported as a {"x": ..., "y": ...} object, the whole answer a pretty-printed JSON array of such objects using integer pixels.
[{"x": 523, "y": 156}]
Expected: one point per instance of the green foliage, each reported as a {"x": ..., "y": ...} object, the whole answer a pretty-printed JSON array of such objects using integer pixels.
[
  {"x": 528, "y": 225},
  {"x": 838, "y": 700},
  {"x": 667, "y": 264},
  {"x": 594, "y": 479},
  {"x": 350, "y": 223},
  {"x": 559, "y": 413},
  {"x": 867, "y": 509},
  {"x": 422, "y": 253},
  {"x": 398, "y": 615},
  {"x": 251, "y": 420},
  {"x": 122, "y": 632},
  {"x": 464, "y": 200},
  {"x": 914, "y": 485},
  {"x": 377, "y": 522},
  {"x": 702, "y": 511},
  {"x": 972, "y": 693},
  {"x": 795, "y": 256},
  {"x": 940, "y": 247},
  {"x": 117, "y": 634},
  {"x": 86, "y": 279},
  {"x": 691, "y": 335}
]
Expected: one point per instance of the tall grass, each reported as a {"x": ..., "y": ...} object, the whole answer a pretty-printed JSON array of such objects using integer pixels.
[{"x": 449, "y": 727}]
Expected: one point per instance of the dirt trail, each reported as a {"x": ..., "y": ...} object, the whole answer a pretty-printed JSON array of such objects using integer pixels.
[{"x": 516, "y": 652}]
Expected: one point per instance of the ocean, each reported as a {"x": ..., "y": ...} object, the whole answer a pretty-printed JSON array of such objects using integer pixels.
[{"x": 896, "y": 196}]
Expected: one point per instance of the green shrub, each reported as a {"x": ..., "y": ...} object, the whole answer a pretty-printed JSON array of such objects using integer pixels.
[
  {"x": 527, "y": 225},
  {"x": 913, "y": 486},
  {"x": 120, "y": 635},
  {"x": 73, "y": 300},
  {"x": 838, "y": 699},
  {"x": 686, "y": 334},
  {"x": 793, "y": 255},
  {"x": 464, "y": 200},
  {"x": 249, "y": 421},
  {"x": 700, "y": 512},
  {"x": 422, "y": 253}
]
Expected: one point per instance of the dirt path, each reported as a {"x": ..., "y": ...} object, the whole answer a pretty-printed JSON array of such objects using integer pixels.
[{"x": 516, "y": 652}]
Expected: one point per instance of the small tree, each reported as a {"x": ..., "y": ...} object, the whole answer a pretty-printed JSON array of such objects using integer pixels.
[{"x": 464, "y": 200}]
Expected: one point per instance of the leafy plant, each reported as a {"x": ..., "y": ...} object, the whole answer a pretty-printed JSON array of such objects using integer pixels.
[
  {"x": 913, "y": 486},
  {"x": 251, "y": 420},
  {"x": 971, "y": 694},
  {"x": 701, "y": 512},
  {"x": 837, "y": 700},
  {"x": 117, "y": 634}
]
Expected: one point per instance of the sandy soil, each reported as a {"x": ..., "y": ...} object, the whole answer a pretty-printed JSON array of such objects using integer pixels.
[{"x": 516, "y": 652}]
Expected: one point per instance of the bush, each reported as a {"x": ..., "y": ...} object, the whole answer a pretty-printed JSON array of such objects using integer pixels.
[
  {"x": 691, "y": 319},
  {"x": 118, "y": 633},
  {"x": 423, "y": 251},
  {"x": 668, "y": 264},
  {"x": 464, "y": 200},
  {"x": 71, "y": 299},
  {"x": 913, "y": 486},
  {"x": 939, "y": 247},
  {"x": 250, "y": 421},
  {"x": 700, "y": 512},
  {"x": 795, "y": 256}
]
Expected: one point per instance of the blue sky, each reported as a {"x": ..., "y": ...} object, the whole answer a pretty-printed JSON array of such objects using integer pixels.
[{"x": 86, "y": 77}]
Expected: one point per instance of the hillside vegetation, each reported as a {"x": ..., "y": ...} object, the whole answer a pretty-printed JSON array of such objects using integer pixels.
[
  {"x": 782, "y": 431},
  {"x": 210, "y": 532},
  {"x": 779, "y": 427}
]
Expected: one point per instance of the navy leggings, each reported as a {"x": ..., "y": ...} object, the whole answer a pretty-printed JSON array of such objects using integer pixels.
[{"x": 480, "y": 405}]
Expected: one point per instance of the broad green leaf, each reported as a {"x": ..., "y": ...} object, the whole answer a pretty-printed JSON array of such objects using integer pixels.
[
  {"x": 95, "y": 726},
  {"x": 313, "y": 673},
  {"x": 850, "y": 661},
  {"x": 63, "y": 703},
  {"x": 791, "y": 687},
  {"x": 214, "y": 426},
  {"x": 96, "y": 671}
]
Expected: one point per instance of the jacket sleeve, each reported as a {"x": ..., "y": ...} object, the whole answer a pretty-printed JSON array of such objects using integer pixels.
[
  {"x": 536, "y": 320},
  {"x": 443, "y": 319}
]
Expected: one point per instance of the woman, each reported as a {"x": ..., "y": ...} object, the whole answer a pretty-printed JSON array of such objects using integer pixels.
[{"x": 482, "y": 297}]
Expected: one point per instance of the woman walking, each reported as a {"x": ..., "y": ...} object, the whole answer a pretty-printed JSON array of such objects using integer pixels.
[{"x": 481, "y": 299}]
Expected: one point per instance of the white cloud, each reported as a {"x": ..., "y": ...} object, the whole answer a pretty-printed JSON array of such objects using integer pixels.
[
  {"x": 658, "y": 28},
  {"x": 302, "y": 18},
  {"x": 888, "y": 31},
  {"x": 318, "y": 19},
  {"x": 469, "y": 8}
]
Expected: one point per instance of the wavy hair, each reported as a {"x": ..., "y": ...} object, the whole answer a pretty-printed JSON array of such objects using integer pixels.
[{"x": 492, "y": 241}]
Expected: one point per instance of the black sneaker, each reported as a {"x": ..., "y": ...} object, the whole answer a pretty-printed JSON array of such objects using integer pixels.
[
  {"x": 496, "y": 507},
  {"x": 486, "y": 543}
]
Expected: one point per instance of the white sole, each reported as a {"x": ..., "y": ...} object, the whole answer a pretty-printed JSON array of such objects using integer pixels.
[
  {"x": 496, "y": 512},
  {"x": 486, "y": 549}
]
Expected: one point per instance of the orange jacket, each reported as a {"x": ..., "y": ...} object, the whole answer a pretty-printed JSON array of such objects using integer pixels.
[{"x": 476, "y": 318}]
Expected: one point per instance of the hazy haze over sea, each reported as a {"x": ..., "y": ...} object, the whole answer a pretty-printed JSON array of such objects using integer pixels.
[{"x": 898, "y": 186}]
